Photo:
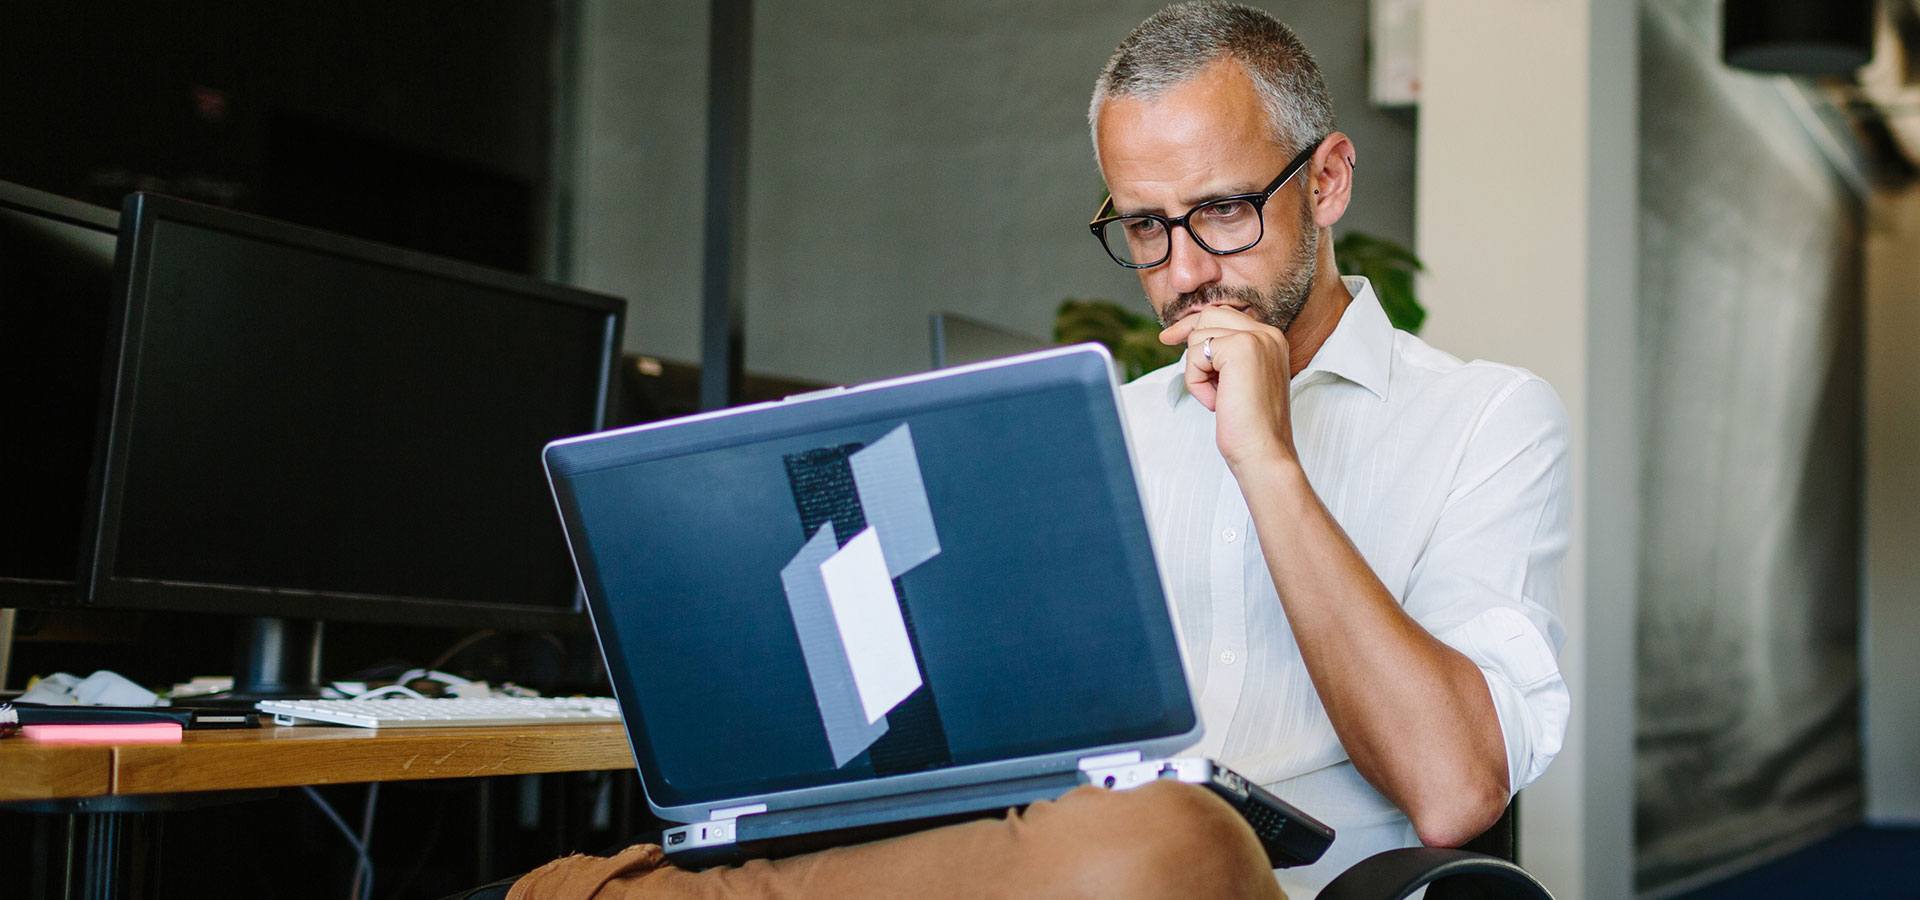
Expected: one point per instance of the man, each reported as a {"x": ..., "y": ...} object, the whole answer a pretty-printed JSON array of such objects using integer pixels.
[{"x": 1362, "y": 534}]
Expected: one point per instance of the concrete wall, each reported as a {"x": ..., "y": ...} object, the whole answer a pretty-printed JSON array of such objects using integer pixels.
[
  {"x": 638, "y": 166},
  {"x": 1525, "y": 216},
  {"x": 1747, "y": 732},
  {"x": 872, "y": 122},
  {"x": 1890, "y": 621}
]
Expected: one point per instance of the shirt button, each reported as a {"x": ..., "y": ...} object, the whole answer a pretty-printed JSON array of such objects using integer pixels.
[
  {"x": 1228, "y": 656},
  {"x": 1229, "y": 534}
]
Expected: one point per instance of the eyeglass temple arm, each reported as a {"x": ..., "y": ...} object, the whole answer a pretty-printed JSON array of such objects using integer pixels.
[{"x": 1101, "y": 213}]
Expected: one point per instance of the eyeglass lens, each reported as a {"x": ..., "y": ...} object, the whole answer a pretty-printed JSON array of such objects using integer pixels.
[{"x": 1223, "y": 226}]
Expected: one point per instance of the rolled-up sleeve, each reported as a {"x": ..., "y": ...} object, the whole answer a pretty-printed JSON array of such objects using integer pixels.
[{"x": 1488, "y": 582}]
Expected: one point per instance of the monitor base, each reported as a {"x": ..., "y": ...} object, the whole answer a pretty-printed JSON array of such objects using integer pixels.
[{"x": 275, "y": 659}]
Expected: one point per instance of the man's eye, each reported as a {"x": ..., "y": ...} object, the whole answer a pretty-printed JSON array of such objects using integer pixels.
[
  {"x": 1229, "y": 211},
  {"x": 1143, "y": 227}
]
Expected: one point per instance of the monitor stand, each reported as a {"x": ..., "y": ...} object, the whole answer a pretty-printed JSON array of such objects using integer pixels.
[
  {"x": 275, "y": 659},
  {"x": 6, "y": 645}
]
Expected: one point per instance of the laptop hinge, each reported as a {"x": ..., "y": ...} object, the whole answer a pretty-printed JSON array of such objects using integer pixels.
[
  {"x": 1109, "y": 760},
  {"x": 734, "y": 812}
]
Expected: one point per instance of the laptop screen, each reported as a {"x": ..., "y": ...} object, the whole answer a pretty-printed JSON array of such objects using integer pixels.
[{"x": 942, "y": 573}]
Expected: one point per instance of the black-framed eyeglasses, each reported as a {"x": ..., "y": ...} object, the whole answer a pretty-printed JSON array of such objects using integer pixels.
[{"x": 1220, "y": 226}]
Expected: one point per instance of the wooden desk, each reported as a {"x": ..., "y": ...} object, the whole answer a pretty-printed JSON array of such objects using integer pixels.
[
  {"x": 243, "y": 759},
  {"x": 273, "y": 757},
  {"x": 103, "y": 782},
  {"x": 47, "y": 771}
]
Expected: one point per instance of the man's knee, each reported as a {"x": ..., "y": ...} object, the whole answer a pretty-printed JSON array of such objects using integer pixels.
[
  {"x": 1194, "y": 829},
  {"x": 1164, "y": 839}
]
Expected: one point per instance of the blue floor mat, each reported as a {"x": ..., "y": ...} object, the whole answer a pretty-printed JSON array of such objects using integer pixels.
[{"x": 1861, "y": 863}]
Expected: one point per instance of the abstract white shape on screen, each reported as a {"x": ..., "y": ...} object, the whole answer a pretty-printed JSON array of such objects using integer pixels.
[
  {"x": 849, "y": 733},
  {"x": 871, "y": 628}
]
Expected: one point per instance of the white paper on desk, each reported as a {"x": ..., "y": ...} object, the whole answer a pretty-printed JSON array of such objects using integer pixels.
[
  {"x": 55, "y": 689},
  {"x": 871, "y": 628}
]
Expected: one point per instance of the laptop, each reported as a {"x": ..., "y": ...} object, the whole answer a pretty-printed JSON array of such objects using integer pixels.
[{"x": 870, "y": 610}]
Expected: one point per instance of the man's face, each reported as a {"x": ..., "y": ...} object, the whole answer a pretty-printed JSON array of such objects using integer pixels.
[{"x": 1205, "y": 138}]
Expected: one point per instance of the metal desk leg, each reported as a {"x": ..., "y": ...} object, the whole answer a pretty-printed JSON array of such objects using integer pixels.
[
  {"x": 100, "y": 879},
  {"x": 100, "y": 829}
]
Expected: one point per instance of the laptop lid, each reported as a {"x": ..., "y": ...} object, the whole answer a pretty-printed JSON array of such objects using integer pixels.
[{"x": 936, "y": 580}]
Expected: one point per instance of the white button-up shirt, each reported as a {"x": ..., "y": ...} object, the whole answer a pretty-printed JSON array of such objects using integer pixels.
[{"x": 1452, "y": 480}]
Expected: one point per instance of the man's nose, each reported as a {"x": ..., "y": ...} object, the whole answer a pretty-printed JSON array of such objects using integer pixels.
[{"x": 1189, "y": 267}]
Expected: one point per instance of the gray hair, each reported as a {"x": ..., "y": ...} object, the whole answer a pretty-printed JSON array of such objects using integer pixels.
[{"x": 1175, "y": 43}]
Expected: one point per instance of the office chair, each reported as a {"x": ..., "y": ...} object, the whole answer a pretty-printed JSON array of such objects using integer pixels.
[
  {"x": 1394, "y": 874},
  {"x": 1482, "y": 870}
]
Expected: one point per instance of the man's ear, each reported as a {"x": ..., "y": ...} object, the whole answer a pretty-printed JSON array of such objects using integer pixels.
[{"x": 1332, "y": 179}]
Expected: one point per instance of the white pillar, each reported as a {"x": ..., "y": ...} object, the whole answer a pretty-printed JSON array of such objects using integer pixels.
[
  {"x": 1525, "y": 214},
  {"x": 1890, "y": 618}
]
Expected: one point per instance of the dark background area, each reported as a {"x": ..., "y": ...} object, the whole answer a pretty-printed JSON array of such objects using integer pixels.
[{"x": 427, "y": 125}]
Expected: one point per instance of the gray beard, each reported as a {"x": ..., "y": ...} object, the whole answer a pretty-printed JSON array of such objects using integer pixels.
[{"x": 1280, "y": 303}]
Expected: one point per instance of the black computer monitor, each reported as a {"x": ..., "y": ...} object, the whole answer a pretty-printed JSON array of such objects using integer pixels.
[
  {"x": 958, "y": 340},
  {"x": 56, "y": 280},
  {"x": 312, "y": 427}
]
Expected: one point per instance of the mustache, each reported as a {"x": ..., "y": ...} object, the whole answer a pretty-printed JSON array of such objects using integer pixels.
[{"x": 1206, "y": 296}]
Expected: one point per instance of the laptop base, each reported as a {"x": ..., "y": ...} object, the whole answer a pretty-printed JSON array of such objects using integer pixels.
[
  {"x": 791, "y": 832},
  {"x": 1290, "y": 837}
]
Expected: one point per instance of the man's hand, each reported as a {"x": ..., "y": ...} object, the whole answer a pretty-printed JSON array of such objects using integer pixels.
[{"x": 1245, "y": 384}]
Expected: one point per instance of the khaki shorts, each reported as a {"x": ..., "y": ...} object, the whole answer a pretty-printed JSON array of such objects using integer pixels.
[{"x": 1165, "y": 839}]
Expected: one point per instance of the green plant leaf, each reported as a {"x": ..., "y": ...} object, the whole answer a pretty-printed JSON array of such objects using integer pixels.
[
  {"x": 1389, "y": 267},
  {"x": 1133, "y": 339}
]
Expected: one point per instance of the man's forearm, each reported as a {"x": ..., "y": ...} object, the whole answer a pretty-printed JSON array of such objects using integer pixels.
[{"x": 1414, "y": 715}]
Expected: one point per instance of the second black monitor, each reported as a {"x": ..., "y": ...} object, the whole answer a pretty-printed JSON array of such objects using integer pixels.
[
  {"x": 56, "y": 281},
  {"x": 310, "y": 426}
]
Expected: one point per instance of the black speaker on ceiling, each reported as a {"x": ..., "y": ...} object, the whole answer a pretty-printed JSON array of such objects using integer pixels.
[{"x": 1798, "y": 37}]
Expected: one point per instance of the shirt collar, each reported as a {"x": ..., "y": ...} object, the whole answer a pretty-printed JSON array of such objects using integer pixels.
[{"x": 1360, "y": 349}]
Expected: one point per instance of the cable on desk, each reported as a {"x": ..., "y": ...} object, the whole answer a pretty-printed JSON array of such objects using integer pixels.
[
  {"x": 359, "y": 847},
  {"x": 389, "y": 691},
  {"x": 460, "y": 645}
]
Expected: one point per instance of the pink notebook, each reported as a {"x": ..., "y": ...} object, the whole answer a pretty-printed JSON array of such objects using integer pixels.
[{"x": 127, "y": 733}]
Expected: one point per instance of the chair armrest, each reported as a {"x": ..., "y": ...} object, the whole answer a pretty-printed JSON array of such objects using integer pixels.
[{"x": 1393, "y": 874}]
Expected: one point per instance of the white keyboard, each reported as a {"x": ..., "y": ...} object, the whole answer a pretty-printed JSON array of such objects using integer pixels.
[{"x": 442, "y": 712}]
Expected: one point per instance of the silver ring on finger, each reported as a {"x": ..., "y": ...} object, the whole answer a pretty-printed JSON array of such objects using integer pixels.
[{"x": 1206, "y": 349}]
